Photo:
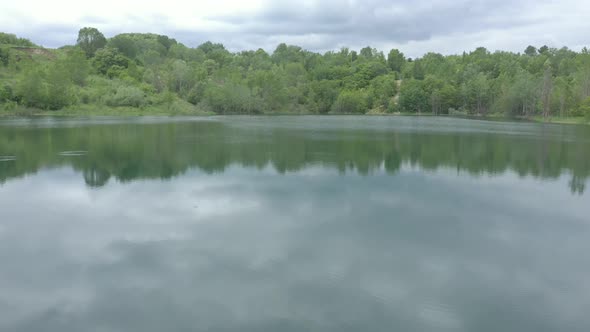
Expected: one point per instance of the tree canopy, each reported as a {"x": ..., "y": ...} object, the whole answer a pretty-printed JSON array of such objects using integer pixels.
[
  {"x": 149, "y": 70},
  {"x": 90, "y": 40}
]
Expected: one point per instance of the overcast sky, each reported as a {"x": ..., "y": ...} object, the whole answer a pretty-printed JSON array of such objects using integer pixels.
[{"x": 414, "y": 26}]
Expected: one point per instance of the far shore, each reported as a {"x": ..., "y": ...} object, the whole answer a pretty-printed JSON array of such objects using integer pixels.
[{"x": 89, "y": 111}]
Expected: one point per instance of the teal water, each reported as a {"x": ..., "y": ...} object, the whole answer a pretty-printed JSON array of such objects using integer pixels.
[{"x": 293, "y": 224}]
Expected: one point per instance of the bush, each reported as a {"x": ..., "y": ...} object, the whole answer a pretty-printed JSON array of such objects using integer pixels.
[
  {"x": 382, "y": 90},
  {"x": 6, "y": 93},
  {"x": 231, "y": 99},
  {"x": 4, "y": 56},
  {"x": 349, "y": 102},
  {"x": 584, "y": 109},
  {"x": 413, "y": 97},
  {"x": 31, "y": 88},
  {"x": 126, "y": 96},
  {"x": 9, "y": 105}
]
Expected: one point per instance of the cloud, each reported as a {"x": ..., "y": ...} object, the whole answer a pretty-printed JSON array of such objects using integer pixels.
[
  {"x": 304, "y": 251},
  {"x": 415, "y": 27}
]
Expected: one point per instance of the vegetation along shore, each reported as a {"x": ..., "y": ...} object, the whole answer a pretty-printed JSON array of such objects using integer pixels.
[{"x": 149, "y": 74}]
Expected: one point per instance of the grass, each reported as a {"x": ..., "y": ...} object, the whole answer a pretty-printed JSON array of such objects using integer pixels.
[
  {"x": 180, "y": 107},
  {"x": 175, "y": 108},
  {"x": 562, "y": 120}
]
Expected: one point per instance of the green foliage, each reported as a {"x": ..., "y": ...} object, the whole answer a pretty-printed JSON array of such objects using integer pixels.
[
  {"x": 30, "y": 89},
  {"x": 150, "y": 70},
  {"x": 396, "y": 60},
  {"x": 10, "y": 39},
  {"x": 530, "y": 50},
  {"x": 90, "y": 40},
  {"x": 76, "y": 65},
  {"x": 323, "y": 95},
  {"x": 9, "y": 105},
  {"x": 382, "y": 90},
  {"x": 124, "y": 44},
  {"x": 230, "y": 98},
  {"x": 4, "y": 55},
  {"x": 6, "y": 93},
  {"x": 413, "y": 97},
  {"x": 417, "y": 70},
  {"x": 351, "y": 102},
  {"x": 59, "y": 91},
  {"x": 365, "y": 73},
  {"x": 109, "y": 59},
  {"x": 476, "y": 93},
  {"x": 126, "y": 96},
  {"x": 584, "y": 109}
]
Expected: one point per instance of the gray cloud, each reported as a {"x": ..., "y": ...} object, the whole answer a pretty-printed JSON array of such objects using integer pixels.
[
  {"x": 280, "y": 256},
  {"x": 380, "y": 20},
  {"x": 319, "y": 25}
]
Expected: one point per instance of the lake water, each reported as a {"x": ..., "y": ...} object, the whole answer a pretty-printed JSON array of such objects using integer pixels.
[{"x": 293, "y": 224}]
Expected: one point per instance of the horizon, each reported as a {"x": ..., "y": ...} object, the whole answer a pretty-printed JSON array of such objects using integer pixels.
[
  {"x": 416, "y": 28},
  {"x": 272, "y": 48}
]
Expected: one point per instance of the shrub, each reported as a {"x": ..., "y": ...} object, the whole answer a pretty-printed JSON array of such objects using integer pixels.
[
  {"x": 584, "y": 109},
  {"x": 349, "y": 102},
  {"x": 6, "y": 93},
  {"x": 126, "y": 96},
  {"x": 230, "y": 98},
  {"x": 9, "y": 105}
]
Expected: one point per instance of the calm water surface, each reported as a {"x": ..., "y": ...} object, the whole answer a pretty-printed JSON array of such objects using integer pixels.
[{"x": 293, "y": 224}]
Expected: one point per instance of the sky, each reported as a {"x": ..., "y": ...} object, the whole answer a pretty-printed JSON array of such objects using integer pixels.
[{"x": 413, "y": 26}]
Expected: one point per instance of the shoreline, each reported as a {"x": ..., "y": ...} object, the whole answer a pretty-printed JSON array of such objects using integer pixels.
[{"x": 160, "y": 111}]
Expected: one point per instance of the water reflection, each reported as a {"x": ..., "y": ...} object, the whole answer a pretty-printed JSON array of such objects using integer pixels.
[
  {"x": 257, "y": 250},
  {"x": 165, "y": 148},
  {"x": 293, "y": 224}
]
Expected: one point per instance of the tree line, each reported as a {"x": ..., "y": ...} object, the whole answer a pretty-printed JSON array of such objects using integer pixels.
[{"x": 136, "y": 70}]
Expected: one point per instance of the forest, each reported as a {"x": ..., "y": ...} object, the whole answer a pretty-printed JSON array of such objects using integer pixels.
[{"x": 154, "y": 74}]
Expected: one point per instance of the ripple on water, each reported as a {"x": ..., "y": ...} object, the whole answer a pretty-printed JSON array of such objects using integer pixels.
[
  {"x": 72, "y": 153},
  {"x": 7, "y": 158},
  {"x": 439, "y": 315}
]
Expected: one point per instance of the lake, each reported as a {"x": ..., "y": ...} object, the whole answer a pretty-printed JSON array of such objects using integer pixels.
[{"x": 293, "y": 224}]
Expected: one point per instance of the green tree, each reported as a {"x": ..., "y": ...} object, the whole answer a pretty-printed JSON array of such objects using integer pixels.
[
  {"x": 13, "y": 40},
  {"x": 476, "y": 93},
  {"x": 367, "y": 52},
  {"x": 543, "y": 49},
  {"x": 418, "y": 70},
  {"x": 125, "y": 44},
  {"x": 109, "y": 59},
  {"x": 396, "y": 60},
  {"x": 530, "y": 50},
  {"x": 59, "y": 88},
  {"x": 76, "y": 65},
  {"x": 382, "y": 89},
  {"x": 90, "y": 40},
  {"x": 4, "y": 56},
  {"x": 351, "y": 102},
  {"x": 413, "y": 97},
  {"x": 584, "y": 108},
  {"x": 563, "y": 93},
  {"x": 31, "y": 88},
  {"x": 323, "y": 94}
]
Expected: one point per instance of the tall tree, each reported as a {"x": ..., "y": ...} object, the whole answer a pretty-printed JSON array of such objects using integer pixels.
[
  {"x": 530, "y": 50},
  {"x": 395, "y": 60},
  {"x": 563, "y": 93},
  {"x": 90, "y": 40},
  {"x": 547, "y": 89},
  {"x": 543, "y": 49}
]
